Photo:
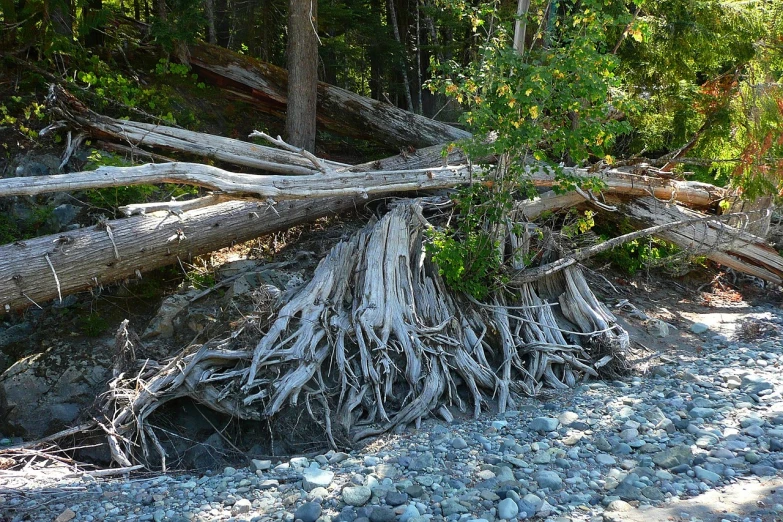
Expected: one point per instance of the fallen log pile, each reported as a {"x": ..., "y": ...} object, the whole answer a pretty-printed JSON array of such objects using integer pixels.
[
  {"x": 339, "y": 111},
  {"x": 375, "y": 340}
]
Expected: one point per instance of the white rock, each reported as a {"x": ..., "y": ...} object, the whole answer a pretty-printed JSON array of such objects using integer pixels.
[
  {"x": 241, "y": 506},
  {"x": 316, "y": 478},
  {"x": 699, "y": 328},
  {"x": 260, "y": 465}
]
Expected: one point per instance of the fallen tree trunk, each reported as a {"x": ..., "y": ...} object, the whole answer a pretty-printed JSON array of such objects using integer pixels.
[
  {"x": 375, "y": 340},
  {"x": 136, "y": 134},
  {"x": 339, "y": 111},
  {"x": 361, "y": 184},
  {"x": 694, "y": 232},
  {"x": 44, "y": 268},
  {"x": 691, "y": 193},
  {"x": 718, "y": 241},
  {"x": 236, "y": 152}
]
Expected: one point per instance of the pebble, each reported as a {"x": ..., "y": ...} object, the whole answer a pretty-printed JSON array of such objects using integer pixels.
[
  {"x": 316, "y": 478},
  {"x": 549, "y": 479},
  {"x": 507, "y": 509},
  {"x": 459, "y": 443},
  {"x": 699, "y": 328},
  {"x": 356, "y": 496},
  {"x": 382, "y": 514},
  {"x": 308, "y": 512},
  {"x": 690, "y": 426},
  {"x": 543, "y": 424},
  {"x": 605, "y": 460}
]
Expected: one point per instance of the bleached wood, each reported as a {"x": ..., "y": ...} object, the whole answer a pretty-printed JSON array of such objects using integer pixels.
[
  {"x": 715, "y": 238},
  {"x": 339, "y": 110},
  {"x": 85, "y": 258},
  {"x": 137, "y": 134},
  {"x": 378, "y": 340},
  {"x": 263, "y": 186},
  {"x": 697, "y": 233},
  {"x": 619, "y": 181}
]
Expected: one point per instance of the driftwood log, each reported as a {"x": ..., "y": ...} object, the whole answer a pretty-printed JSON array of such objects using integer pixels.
[
  {"x": 717, "y": 240},
  {"x": 37, "y": 270},
  {"x": 339, "y": 111},
  {"x": 361, "y": 184},
  {"x": 67, "y": 107},
  {"x": 136, "y": 134},
  {"x": 694, "y": 232},
  {"x": 376, "y": 341}
]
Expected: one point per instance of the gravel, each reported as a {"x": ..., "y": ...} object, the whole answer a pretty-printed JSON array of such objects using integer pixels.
[{"x": 691, "y": 425}]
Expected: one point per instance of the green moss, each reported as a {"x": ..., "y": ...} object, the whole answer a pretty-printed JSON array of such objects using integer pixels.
[{"x": 93, "y": 325}]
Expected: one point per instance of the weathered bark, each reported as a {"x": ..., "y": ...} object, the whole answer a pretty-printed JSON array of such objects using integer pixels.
[
  {"x": 378, "y": 341},
  {"x": 695, "y": 232},
  {"x": 760, "y": 226},
  {"x": 417, "y": 159},
  {"x": 209, "y": 13},
  {"x": 302, "y": 73},
  {"x": 718, "y": 241},
  {"x": 547, "y": 202},
  {"x": 339, "y": 111},
  {"x": 90, "y": 257},
  {"x": 361, "y": 184},
  {"x": 691, "y": 193},
  {"x": 66, "y": 106},
  {"x": 520, "y": 26}
]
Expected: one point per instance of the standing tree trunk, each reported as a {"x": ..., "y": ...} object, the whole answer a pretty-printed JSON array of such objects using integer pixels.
[
  {"x": 161, "y": 8},
  {"x": 302, "y": 73},
  {"x": 96, "y": 30},
  {"x": 8, "y": 26},
  {"x": 209, "y": 11},
  {"x": 222, "y": 25},
  {"x": 520, "y": 27},
  {"x": 403, "y": 61},
  {"x": 60, "y": 17}
]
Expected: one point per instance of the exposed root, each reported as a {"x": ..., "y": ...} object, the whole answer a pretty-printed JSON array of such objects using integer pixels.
[{"x": 376, "y": 341}]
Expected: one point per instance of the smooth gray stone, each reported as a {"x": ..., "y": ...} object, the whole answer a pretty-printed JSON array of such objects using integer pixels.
[
  {"x": 543, "y": 424},
  {"x": 308, "y": 512},
  {"x": 673, "y": 457},
  {"x": 549, "y": 479},
  {"x": 356, "y": 496},
  {"x": 507, "y": 509}
]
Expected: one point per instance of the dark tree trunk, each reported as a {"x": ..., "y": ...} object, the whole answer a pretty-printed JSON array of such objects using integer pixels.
[
  {"x": 302, "y": 73},
  {"x": 209, "y": 11},
  {"x": 60, "y": 17},
  {"x": 161, "y": 8},
  {"x": 223, "y": 26},
  {"x": 339, "y": 111},
  {"x": 90, "y": 14},
  {"x": 7, "y": 31}
]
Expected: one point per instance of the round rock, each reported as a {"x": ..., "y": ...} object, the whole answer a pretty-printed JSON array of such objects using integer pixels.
[
  {"x": 356, "y": 496},
  {"x": 507, "y": 509},
  {"x": 544, "y": 424},
  {"x": 308, "y": 512}
]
